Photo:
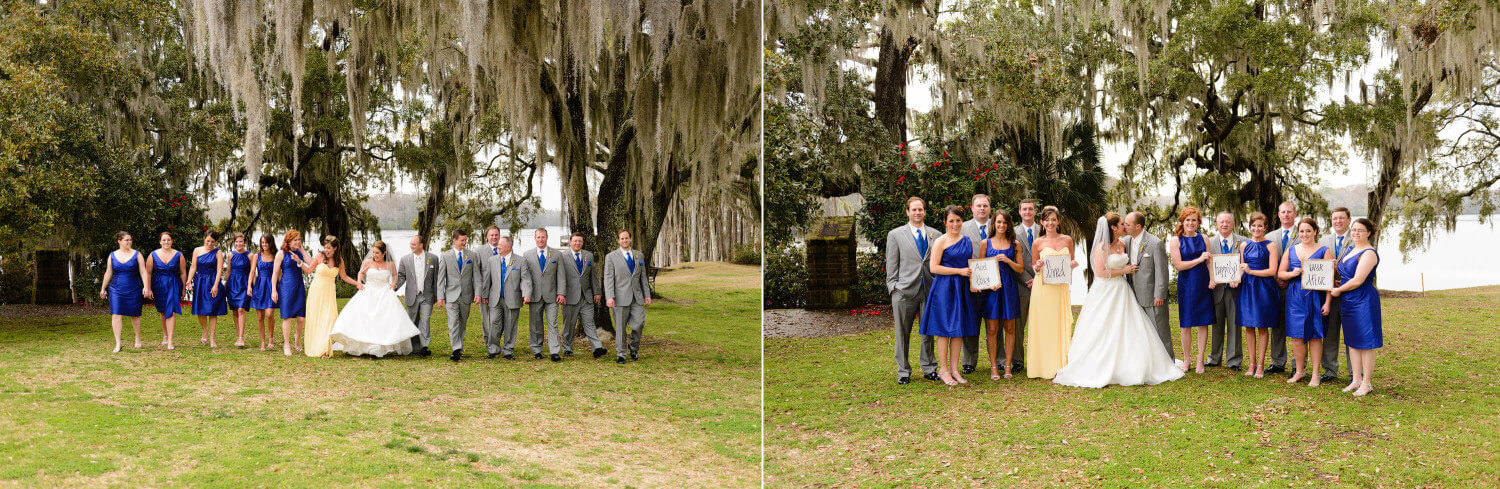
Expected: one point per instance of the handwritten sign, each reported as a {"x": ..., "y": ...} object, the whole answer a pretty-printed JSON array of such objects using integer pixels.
[
  {"x": 1057, "y": 269},
  {"x": 1317, "y": 274},
  {"x": 986, "y": 273},
  {"x": 1224, "y": 268}
]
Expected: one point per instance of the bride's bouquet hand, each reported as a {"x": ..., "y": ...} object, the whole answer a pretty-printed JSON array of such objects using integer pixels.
[{"x": 359, "y": 286}]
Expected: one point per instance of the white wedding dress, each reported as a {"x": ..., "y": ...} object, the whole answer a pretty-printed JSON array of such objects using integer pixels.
[
  {"x": 1114, "y": 341},
  {"x": 374, "y": 322}
]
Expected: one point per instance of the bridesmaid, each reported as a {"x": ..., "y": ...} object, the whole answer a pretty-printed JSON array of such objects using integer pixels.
[
  {"x": 208, "y": 298},
  {"x": 1258, "y": 308},
  {"x": 1049, "y": 324},
  {"x": 949, "y": 314},
  {"x": 322, "y": 298},
  {"x": 124, "y": 283},
  {"x": 238, "y": 284},
  {"x": 1195, "y": 308},
  {"x": 168, "y": 274},
  {"x": 1004, "y": 305},
  {"x": 1305, "y": 309},
  {"x": 259, "y": 292},
  {"x": 289, "y": 295},
  {"x": 1359, "y": 306}
]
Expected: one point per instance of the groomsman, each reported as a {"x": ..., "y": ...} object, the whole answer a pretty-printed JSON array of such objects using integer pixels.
[
  {"x": 1283, "y": 237},
  {"x": 1226, "y": 349},
  {"x": 1339, "y": 243},
  {"x": 421, "y": 268},
  {"x": 500, "y": 291},
  {"x": 456, "y": 284},
  {"x": 1026, "y": 233},
  {"x": 490, "y": 248},
  {"x": 977, "y": 230},
  {"x": 907, "y": 279},
  {"x": 577, "y": 292},
  {"x": 1149, "y": 282},
  {"x": 627, "y": 293},
  {"x": 541, "y": 295}
]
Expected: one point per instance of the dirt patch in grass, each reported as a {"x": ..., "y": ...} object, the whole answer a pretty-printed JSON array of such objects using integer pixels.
[{"x": 711, "y": 274}]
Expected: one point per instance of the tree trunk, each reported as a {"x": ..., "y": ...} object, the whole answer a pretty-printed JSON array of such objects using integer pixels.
[{"x": 890, "y": 85}]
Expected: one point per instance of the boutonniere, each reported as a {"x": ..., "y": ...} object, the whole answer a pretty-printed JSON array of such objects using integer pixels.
[{"x": 1145, "y": 255}]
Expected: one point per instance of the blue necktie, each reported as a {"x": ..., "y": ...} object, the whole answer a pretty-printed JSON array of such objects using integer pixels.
[
  {"x": 460, "y": 262},
  {"x": 494, "y": 251},
  {"x": 921, "y": 246},
  {"x": 578, "y": 260},
  {"x": 502, "y": 276},
  {"x": 1029, "y": 238},
  {"x": 1224, "y": 246},
  {"x": 1338, "y": 249},
  {"x": 982, "y": 233},
  {"x": 1283, "y": 239},
  {"x": 630, "y": 261},
  {"x": 541, "y": 260}
]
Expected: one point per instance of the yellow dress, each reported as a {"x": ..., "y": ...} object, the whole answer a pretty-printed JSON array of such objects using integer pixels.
[
  {"x": 1049, "y": 328},
  {"x": 322, "y": 311}
]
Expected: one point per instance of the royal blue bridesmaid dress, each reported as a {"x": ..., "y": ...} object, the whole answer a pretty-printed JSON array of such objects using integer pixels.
[
  {"x": 1004, "y": 303},
  {"x": 1359, "y": 309},
  {"x": 262, "y": 287},
  {"x": 204, "y": 302},
  {"x": 1259, "y": 304},
  {"x": 125, "y": 286},
  {"x": 1195, "y": 305},
  {"x": 166, "y": 285},
  {"x": 291, "y": 293},
  {"x": 949, "y": 312},
  {"x": 1304, "y": 308},
  {"x": 239, "y": 279}
]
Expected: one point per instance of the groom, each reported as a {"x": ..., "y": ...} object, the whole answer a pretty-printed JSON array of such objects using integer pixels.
[
  {"x": 500, "y": 292},
  {"x": 456, "y": 283},
  {"x": 1149, "y": 282},
  {"x": 422, "y": 269}
]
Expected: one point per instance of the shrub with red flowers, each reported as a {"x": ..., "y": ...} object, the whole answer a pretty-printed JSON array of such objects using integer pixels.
[{"x": 941, "y": 174}]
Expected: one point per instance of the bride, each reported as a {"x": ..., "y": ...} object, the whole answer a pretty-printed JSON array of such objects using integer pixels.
[
  {"x": 374, "y": 322},
  {"x": 1114, "y": 341}
]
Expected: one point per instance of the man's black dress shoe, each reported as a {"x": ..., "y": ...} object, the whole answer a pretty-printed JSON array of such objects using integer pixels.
[
  {"x": 491, "y": 355},
  {"x": 457, "y": 354},
  {"x": 968, "y": 369},
  {"x": 598, "y": 352},
  {"x": 556, "y": 357},
  {"x": 1328, "y": 378},
  {"x": 1016, "y": 367},
  {"x": 426, "y": 352},
  {"x": 1235, "y": 368},
  {"x": 1275, "y": 369},
  {"x": 510, "y": 357},
  {"x": 903, "y": 380},
  {"x": 931, "y": 376},
  {"x": 537, "y": 356},
  {"x": 1211, "y": 364},
  {"x": 620, "y": 360},
  {"x": 633, "y": 357},
  {"x": 567, "y": 353}
]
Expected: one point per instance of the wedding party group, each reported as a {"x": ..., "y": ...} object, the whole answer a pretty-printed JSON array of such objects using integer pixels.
[
  {"x": 560, "y": 286},
  {"x": 1014, "y": 279}
]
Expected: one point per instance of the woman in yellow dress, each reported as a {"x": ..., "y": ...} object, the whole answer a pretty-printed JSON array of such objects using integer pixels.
[
  {"x": 322, "y": 299},
  {"x": 1049, "y": 330}
]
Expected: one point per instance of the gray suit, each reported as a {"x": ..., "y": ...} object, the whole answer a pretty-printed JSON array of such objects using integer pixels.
[
  {"x": 502, "y": 290},
  {"x": 579, "y": 288},
  {"x": 1278, "y": 332},
  {"x": 1226, "y": 348},
  {"x": 419, "y": 303},
  {"x": 629, "y": 288},
  {"x": 484, "y": 252},
  {"x": 541, "y": 287},
  {"x": 1150, "y": 282},
  {"x": 456, "y": 284},
  {"x": 1028, "y": 274},
  {"x": 976, "y": 240},
  {"x": 1333, "y": 323},
  {"x": 907, "y": 279}
]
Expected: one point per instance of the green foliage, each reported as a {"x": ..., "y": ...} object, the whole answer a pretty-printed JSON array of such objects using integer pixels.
[
  {"x": 870, "y": 286},
  {"x": 746, "y": 254},
  {"x": 938, "y": 179},
  {"x": 785, "y": 275}
]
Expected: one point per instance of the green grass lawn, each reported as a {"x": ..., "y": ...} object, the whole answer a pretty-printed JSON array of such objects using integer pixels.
[
  {"x": 687, "y": 414},
  {"x": 835, "y": 417}
]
